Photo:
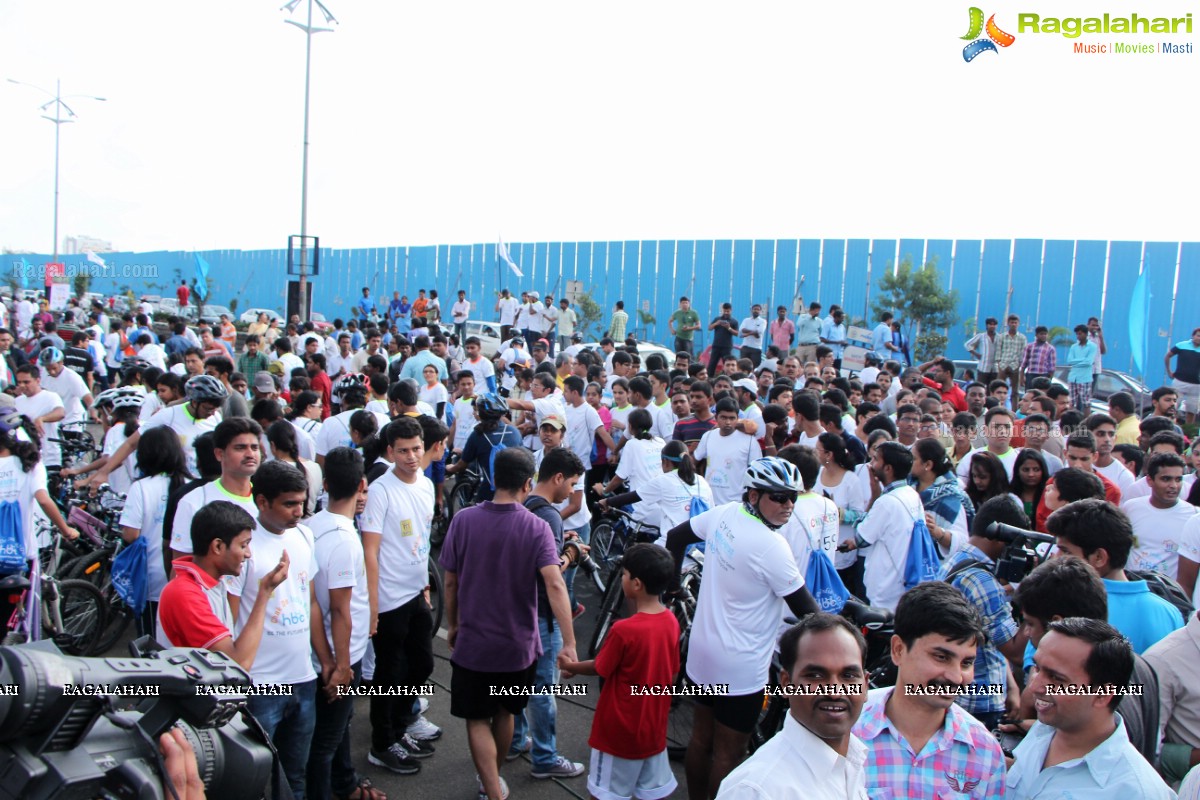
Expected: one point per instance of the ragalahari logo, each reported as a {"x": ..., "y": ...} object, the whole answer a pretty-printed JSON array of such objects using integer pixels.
[{"x": 995, "y": 36}]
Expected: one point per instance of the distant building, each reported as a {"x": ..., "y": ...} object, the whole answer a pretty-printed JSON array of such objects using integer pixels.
[{"x": 75, "y": 245}]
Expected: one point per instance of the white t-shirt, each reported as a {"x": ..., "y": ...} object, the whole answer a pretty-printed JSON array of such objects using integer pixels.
[
  {"x": 123, "y": 476},
  {"x": 71, "y": 388},
  {"x": 641, "y": 462},
  {"x": 336, "y": 364},
  {"x": 727, "y": 457},
  {"x": 335, "y": 431},
  {"x": 1141, "y": 488},
  {"x": 285, "y": 653},
  {"x": 151, "y": 405},
  {"x": 433, "y": 395},
  {"x": 620, "y": 417},
  {"x": 582, "y": 422},
  {"x": 145, "y": 504},
  {"x": 814, "y": 524},
  {"x": 41, "y": 404},
  {"x": 400, "y": 513},
  {"x": 464, "y": 421},
  {"x": 18, "y": 486},
  {"x": 193, "y": 501},
  {"x": 187, "y": 427},
  {"x": 1118, "y": 474},
  {"x": 112, "y": 349},
  {"x": 847, "y": 494},
  {"x": 888, "y": 529},
  {"x": 1009, "y": 460},
  {"x": 304, "y": 439},
  {"x": 341, "y": 565},
  {"x": 532, "y": 319},
  {"x": 669, "y": 501},
  {"x": 508, "y": 309},
  {"x": 1162, "y": 535},
  {"x": 759, "y": 326},
  {"x": 460, "y": 311},
  {"x": 664, "y": 420},
  {"x": 514, "y": 358},
  {"x": 482, "y": 369},
  {"x": 749, "y": 570}
]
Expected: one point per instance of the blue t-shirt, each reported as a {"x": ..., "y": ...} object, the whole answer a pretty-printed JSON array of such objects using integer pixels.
[
  {"x": 478, "y": 450},
  {"x": 365, "y": 306},
  {"x": 1081, "y": 358},
  {"x": 1187, "y": 368}
]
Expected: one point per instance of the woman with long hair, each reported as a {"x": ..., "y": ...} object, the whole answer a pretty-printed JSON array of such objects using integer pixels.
[
  {"x": 163, "y": 467},
  {"x": 1030, "y": 474},
  {"x": 949, "y": 511},
  {"x": 305, "y": 412},
  {"x": 598, "y": 469},
  {"x": 669, "y": 496},
  {"x": 988, "y": 478},
  {"x": 640, "y": 452},
  {"x": 281, "y": 436},
  {"x": 838, "y": 482}
]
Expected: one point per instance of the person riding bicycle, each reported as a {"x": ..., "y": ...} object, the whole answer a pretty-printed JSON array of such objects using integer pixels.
[
  {"x": 738, "y": 611},
  {"x": 492, "y": 434}
]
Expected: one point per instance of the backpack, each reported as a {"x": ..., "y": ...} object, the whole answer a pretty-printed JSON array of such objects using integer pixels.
[
  {"x": 12, "y": 538},
  {"x": 824, "y": 583},
  {"x": 129, "y": 574},
  {"x": 923, "y": 560},
  {"x": 496, "y": 447},
  {"x": 1165, "y": 587},
  {"x": 697, "y": 506}
]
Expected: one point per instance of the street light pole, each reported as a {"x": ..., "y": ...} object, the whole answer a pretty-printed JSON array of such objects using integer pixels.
[
  {"x": 309, "y": 30},
  {"x": 57, "y": 101}
]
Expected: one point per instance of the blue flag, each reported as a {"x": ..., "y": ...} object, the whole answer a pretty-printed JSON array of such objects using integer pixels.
[
  {"x": 201, "y": 277},
  {"x": 1139, "y": 313},
  {"x": 26, "y": 271}
]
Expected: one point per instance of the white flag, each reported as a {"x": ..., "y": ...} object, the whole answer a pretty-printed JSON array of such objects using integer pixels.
[
  {"x": 95, "y": 259},
  {"x": 502, "y": 254}
]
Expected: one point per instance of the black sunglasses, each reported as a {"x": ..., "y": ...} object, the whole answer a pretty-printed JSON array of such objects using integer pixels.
[{"x": 783, "y": 497}]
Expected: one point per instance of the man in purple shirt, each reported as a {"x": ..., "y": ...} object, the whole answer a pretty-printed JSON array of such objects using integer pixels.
[{"x": 492, "y": 557}]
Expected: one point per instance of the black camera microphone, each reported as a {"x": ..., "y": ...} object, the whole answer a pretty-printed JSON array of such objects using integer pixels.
[{"x": 1011, "y": 533}]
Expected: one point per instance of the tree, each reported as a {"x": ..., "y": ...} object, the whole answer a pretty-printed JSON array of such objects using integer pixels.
[
  {"x": 922, "y": 305},
  {"x": 589, "y": 313},
  {"x": 1060, "y": 336},
  {"x": 82, "y": 282}
]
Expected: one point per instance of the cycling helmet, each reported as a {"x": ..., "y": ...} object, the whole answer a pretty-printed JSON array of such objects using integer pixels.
[
  {"x": 350, "y": 383},
  {"x": 490, "y": 406},
  {"x": 105, "y": 398},
  {"x": 772, "y": 474},
  {"x": 50, "y": 355},
  {"x": 132, "y": 365},
  {"x": 205, "y": 389},
  {"x": 128, "y": 400},
  {"x": 576, "y": 337},
  {"x": 10, "y": 419}
]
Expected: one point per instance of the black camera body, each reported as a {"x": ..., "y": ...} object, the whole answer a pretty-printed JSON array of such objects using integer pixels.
[
  {"x": 63, "y": 732},
  {"x": 1019, "y": 557}
]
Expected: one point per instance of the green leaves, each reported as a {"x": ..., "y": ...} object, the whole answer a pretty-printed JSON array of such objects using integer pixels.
[{"x": 919, "y": 299}]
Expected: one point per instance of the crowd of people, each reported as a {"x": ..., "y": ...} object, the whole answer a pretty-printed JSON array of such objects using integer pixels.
[{"x": 286, "y": 482}]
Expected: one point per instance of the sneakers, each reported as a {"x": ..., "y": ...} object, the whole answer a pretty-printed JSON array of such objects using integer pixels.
[
  {"x": 416, "y": 748},
  {"x": 423, "y": 730},
  {"x": 483, "y": 794},
  {"x": 578, "y": 612},
  {"x": 422, "y": 705},
  {"x": 562, "y": 768},
  {"x": 396, "y": 759},
  {"x": 514, "y": 753}
]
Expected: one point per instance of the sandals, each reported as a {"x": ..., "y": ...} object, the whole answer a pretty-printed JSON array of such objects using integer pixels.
[{"x": 365, "y": 791}]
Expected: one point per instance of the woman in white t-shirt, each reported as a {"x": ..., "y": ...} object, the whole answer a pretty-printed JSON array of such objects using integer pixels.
[
  {"x": 163, "y": 466},
  {"x": 838, "y": 483},
  {"x": 22, "y": 483},
  {"x": 641, "y": 460},
  {"x": 281, "y": 436},
  {"x": 669, "y": 497},
  {"x": 121, "y": 414},
  {"x": 434, "y": 392}
]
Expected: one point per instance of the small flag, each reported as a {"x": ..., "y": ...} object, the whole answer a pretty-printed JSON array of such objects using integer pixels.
[
  {"x": 95, "y": 259},
  {"x": 26, "y": 271},
  {"x": 201, "y": 277},
  {"x": 502, "y": 254},
  {"x": 1139, "y": 313}
]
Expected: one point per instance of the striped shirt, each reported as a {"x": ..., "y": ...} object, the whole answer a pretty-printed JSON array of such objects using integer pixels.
[
  {"x": 1039, "y": 358},
  {"x": 1009, "y": 349},
  {"x": 962, "y": 760},
  {"x": 986, "y": 345}
]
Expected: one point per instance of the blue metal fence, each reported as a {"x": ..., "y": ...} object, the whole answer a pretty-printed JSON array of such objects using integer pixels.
[{"x": 1052, "y": 282}]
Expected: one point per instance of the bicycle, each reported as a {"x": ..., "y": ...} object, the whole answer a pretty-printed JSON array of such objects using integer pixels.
[
  {"x": 98, "y": 519},
  {"x": 616, "y": 530},
  {"x": 70, "y": 612},
  {"x": 461, "y": 496}
]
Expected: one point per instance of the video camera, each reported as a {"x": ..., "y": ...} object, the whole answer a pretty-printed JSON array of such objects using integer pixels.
[
  {"x": 64, "y": 731},
  {"x": 1018, "y": 559}
]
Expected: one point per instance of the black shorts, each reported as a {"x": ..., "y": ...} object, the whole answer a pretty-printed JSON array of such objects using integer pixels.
[
  {"x": 739, "y": 712},
  {"x": 471, "y": 692}
]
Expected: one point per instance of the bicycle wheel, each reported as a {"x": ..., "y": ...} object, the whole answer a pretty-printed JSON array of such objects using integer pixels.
[
  {"x": 438, "y": 528},
  {"x": 437, "y": 595},
  {"x": 770, "y": 721},
  {"x": 120, "y": 617},
  {"x": 92, "y": 568},
  {"x": 83, "y": 613},
  {"x": 461, "y": 496},
  {"x": 612, "y": 608},
  {"x": 602, "y": 548}
]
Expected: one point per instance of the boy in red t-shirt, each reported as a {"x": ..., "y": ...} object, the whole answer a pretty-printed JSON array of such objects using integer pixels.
[{"x": 629, "y": 733}]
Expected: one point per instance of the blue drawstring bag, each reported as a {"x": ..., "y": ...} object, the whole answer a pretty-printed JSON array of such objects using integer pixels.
[
  {"x": 12, "y": 539},
  {"x": 824, "y": 583},
  {"x": 923, "y": 560},
  {"x": 697, "y": 506},
  {"x": 129, "y": 575}
]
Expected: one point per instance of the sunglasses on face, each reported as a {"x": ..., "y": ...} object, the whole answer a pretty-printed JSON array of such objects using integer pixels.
[{"x": 783, "y": 497}]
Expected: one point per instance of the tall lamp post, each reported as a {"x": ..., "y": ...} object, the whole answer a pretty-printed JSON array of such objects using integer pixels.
[
  {"x": 309, "y": 30},
  {"x": 58, "y": 101}
]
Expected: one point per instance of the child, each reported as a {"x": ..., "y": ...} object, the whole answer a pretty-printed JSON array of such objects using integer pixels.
[
  {"x": 629, "y": 734},
  {"x": 727, "y": 452}
]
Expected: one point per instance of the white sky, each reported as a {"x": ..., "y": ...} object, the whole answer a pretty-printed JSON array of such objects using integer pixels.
[{"x": 550, "y": 121}]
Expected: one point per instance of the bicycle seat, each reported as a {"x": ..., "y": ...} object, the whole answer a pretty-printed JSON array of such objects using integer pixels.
[
  {"x": 863, "y": 616},
  {"x": 14, "y": 583}
]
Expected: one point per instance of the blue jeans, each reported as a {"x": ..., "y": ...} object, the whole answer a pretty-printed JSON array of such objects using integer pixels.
[
  {"x": 585, "y": 535},
  {"x": 540, "y": 716},
  {"x": 289, "y": 721},
  {"x": 330, "y": 767}
]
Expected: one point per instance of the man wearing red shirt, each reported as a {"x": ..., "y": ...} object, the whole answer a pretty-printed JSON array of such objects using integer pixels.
[
  {"x": 943, "y": 381},
  {"x": 1081, "y": 454},
  {"x": 315, "y": 362},
  {"x": 183, "y": 293},
  {"x": 194, "y": 610}
]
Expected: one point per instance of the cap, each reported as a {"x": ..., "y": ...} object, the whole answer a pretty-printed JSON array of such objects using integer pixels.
[
  {"x": 541, "y": 344},
  {"x": 263, "y": 382},
  {"x": 747, "y": 384},
  {"x": 518, "y": 340},
  {"x": 554, "y": 420},
  {"x": 535, "y": 295},
  {"x": 576, "y": 337}
]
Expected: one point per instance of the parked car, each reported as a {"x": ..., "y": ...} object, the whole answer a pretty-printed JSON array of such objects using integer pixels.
[
  {"x": 212, "y": 313},
  {"x": 644, "y": 349},
  {"x": 318, "y": 320},
  {"x": 251, "y": 315},
  {"x": 168, "y": 305},
  {"x": 1109, "y": 382}
]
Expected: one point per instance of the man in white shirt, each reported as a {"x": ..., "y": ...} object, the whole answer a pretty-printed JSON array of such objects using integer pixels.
[
  {"x": 567, "y": 319},
  {"x": 65, "y": 383},
  {"x": 815, "y": 756},
  {"x": 459, "y": 312},
  {"x": 1104, "y": 431},
  {"x": 238, "y": 449},
  {"x": 549, "y": 314},
  {"x": 752, "y": 330},
  {"x": 584, "y": 425},
  {"x": 998, "y": 431},
  {"x": 546, "y": 401},
  {"x": 341, "y": 589},
  {"x": 726, "y": 453},
  {"x": 507, "y": 306},
  {"x": 1164, "y": 539},
  {"x": 293, "y": 630},
  {"x": 342, "y": 360},
  {"x": 888, "y": 526},
  {"x": 44, "y": 407},
  {"x": 395, "y": 534}
]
